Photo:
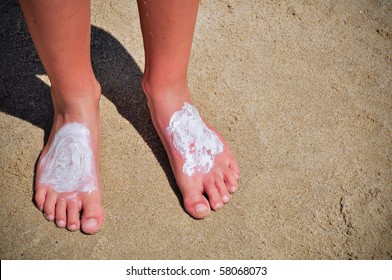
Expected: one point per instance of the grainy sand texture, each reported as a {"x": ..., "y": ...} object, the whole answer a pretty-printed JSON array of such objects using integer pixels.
[{"x": 302, "y": 91}]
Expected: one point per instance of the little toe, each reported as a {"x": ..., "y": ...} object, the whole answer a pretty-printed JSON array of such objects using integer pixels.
[
  {"x": 92, "y": 216},
  {"x": 61, "y": 209},
  {"x": 40, "y": 198},
  {"x": 73, "y": 223},
  {"x": 235, "y": 169},
  {"x": 49, "y": 206},
  {"x": 231, "y": 181}
]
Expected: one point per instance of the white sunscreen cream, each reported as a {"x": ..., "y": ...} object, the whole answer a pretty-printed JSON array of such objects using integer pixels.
[
  {"x": 197, "y": 144},
  {"x": 68, "y": 165}
]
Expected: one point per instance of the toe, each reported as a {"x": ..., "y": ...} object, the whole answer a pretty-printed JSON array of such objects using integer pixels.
[
  {"x": 221, "y": 186},
  {"x": 73, "y": 223},
  {"x": 40, "y": 198},
  {"x": 49, "y": 205},
  {"x": 61, "y": 217},
  {"x": 230, "y": 181},
  {"x": 197, "y": 206},
  {"x": 214, "y": 197},
  {"x": 195, "y": 202},
  {"x": 235, "y": 168},
  {"x": 92, "y": 216}
]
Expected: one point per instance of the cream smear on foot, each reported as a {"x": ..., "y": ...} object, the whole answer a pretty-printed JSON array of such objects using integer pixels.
[
  {"x": 197, "y": 144},
  {"x": 68, "y": 165}
]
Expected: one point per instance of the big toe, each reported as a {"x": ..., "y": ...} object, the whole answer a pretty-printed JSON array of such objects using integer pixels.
[
  {"x": 197, "y": 206},
  {"x": 92, "y": 215}
]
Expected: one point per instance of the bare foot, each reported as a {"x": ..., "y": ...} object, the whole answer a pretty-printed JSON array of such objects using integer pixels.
[
  {"x": 200, "y": 158},
  {"x": 67, "y": 180}
]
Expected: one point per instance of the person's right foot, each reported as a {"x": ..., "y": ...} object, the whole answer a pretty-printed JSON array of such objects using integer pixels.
[
  {"x": 67, "y": 180},
  {"x": 200, "y": 158}
]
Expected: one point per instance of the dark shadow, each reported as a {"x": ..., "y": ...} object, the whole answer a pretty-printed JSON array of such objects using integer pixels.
[{"x": 25, "y": 96}]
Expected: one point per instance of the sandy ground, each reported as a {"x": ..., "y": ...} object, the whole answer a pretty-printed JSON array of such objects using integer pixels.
[{"x": 302, "y": 91}]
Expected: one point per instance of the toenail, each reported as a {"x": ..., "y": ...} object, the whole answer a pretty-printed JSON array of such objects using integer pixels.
[
  {"x": 60, "y": 223},
  {"x": 49, "y": 217},
  {"x": 237, "y": 176},
  {"x": 90, "y": 223},
  {"x": 218, "y": 206},
  {"x": 72, "y": 227},
  {"x": 226, "y": 198},
  {"x": 201, "y": 208},
  {"x": 234, "y": 188}
]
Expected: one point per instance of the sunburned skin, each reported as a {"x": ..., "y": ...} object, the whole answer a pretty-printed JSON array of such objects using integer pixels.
[
  {"x": 197, "y": 144},
  {"x": 68, "y": 165}
]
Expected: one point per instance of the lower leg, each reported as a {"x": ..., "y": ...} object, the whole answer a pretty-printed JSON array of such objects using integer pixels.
[
  {"x": 61, "y": 34},
  {"x": 168, "y": 27}
]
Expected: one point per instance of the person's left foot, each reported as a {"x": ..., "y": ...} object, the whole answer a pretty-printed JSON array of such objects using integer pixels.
[{"x": 67, "y": 180}]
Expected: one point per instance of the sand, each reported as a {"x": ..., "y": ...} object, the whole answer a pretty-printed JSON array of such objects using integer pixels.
[{"x": 302, "y": 91}]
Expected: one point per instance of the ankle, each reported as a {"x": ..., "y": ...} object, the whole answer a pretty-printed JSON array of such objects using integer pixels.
[
  {"x": 161, "y": 90},
  {"x": 80, "y": 98}
]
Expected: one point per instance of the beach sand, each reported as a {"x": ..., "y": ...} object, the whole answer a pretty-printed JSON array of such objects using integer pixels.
[{"x": 302, "y": 92}]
